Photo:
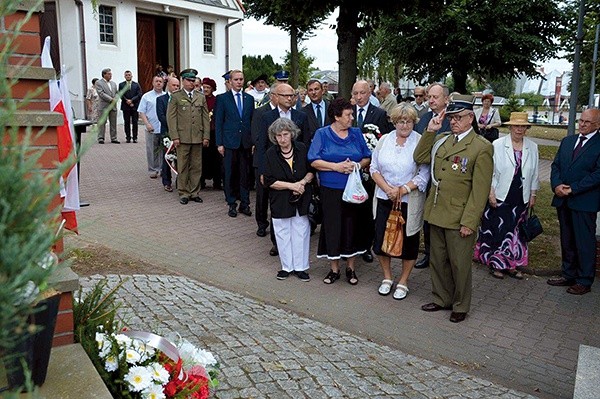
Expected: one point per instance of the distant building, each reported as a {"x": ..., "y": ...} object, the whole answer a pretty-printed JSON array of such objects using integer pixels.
[{"x": 135, "y": 35}]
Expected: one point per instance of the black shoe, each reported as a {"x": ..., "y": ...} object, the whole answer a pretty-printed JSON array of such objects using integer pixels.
[
  {"x": 115, "y": 141},
  {"x": 457, "y": 317},
  {"x": 367, "y": 257},
  {"x": 134, "y": 140},
  {"x": 261, "y": 232},
  {"x": 274, "y": 251},
  {"x": 197, "y": 199},
  {"x": 423, "y": 263},
  {"x": 282, "y": 275},
  {"x": 560, "y": 282},
  {"x": 183, "y": 200},
  {"x": 303, "y": 276},
  {"x": 128, "y": 141},
  {"x": 100, "y": 141},
  {"x": 433, "y": 307},
  {"x": 245, "y": 210},
  {"x": 232, "y": 212}
]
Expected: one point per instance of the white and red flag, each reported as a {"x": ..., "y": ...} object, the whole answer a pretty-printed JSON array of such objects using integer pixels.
[{"x": 60, "y": 101}]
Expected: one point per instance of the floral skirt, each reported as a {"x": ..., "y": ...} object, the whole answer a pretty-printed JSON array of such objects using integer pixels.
[{"x": 499, "y": 245}]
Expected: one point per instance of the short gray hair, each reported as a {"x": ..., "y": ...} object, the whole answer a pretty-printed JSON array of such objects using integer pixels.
[{"x": 281, "y": 125}]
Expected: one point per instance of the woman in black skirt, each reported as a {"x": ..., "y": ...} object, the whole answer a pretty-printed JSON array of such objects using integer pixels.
[
  {"x": 399, "y": 178},
  {"x": 334, "y": 151}
]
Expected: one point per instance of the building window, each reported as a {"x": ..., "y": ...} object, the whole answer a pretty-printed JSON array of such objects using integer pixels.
[
  {"x": 209, "y": 30},
  {"x": 106, "y": 18}
]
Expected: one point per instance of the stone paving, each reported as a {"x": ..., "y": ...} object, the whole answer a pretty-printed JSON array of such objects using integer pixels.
[
  {"x": 524, "y": 335},
  {"x": 266, "y": 352}
]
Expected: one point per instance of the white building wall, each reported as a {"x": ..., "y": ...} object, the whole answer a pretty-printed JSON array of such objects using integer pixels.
[{"x": 123, "y": 54}]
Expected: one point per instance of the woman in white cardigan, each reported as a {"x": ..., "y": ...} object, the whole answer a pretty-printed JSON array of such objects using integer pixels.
[
  {"x": 398, "y": 177},
  {"x": 514, "y": 186}
]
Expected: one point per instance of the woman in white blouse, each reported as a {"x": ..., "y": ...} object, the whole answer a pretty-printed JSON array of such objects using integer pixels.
[{"x": 398, "y": 176}]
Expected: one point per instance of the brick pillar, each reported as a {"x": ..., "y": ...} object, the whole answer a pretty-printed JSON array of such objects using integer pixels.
[{"x": 25, "y": 65}]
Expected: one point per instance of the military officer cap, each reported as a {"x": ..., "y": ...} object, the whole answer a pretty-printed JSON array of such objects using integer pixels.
[
  {"x": 282, "y": 75},
  {"x": 189, "y": 74},
  {"x": 259, "y": 78},
  {"x": 226, "y": 75},
  {"x": 460, "y": 102}
]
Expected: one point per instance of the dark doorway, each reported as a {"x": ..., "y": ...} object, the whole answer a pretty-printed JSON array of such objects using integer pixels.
[
  {"x": 49, "y": 27},
  {"x": 157, "y": 43}
]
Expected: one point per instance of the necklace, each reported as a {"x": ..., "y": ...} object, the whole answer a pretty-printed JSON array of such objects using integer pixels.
[
  {"x": 291, "y": 152},
  {"x": 285, "y": 153},
  {"x": 290, "y": 157}
]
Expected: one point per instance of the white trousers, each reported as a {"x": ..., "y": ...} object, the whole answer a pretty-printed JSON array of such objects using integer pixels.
[{"x": 293, "y": 242}]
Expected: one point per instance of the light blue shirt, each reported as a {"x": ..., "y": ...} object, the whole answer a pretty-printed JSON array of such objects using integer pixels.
[
  {"x": 148, "y": 107},
  {"x": 323, "y": 110}
]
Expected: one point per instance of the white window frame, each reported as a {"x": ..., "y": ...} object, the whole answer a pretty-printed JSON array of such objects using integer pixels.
[
  {"x": 102, "y": 23},
  {"x": 206, "y": 39}
]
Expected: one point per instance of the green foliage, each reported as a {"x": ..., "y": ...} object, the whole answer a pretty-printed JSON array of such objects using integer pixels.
[
  {"x": 254, "y": 66},
  {"x": 478, "y": 38},
  {"x": 503, "y": 87},
  {"x": 305, "y": 67},
  {"x": 532, "y": 99},
  {"x": 512, "y": 105}
]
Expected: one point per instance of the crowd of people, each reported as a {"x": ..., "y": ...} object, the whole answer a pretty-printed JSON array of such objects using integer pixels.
[{"x": 468, "y": 192}]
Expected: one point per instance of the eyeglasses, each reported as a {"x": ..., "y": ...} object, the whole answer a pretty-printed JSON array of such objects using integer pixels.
[
  {"x": 419, "y": 95},
  {"x": 457, "y": 118},
  {"x": 286, "y": 95}
]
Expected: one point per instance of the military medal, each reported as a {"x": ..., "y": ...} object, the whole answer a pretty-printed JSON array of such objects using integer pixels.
[
  {"x": 455, "y": 163},
  {"x": 463, "y": 169}
]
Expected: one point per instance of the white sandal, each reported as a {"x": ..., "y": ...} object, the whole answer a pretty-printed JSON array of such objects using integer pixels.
[
  {"x": 401, "y": 292},
  {"x": 386, "y": 287}
]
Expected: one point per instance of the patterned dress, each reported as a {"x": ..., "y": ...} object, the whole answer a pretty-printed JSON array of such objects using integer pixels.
[{"x": 499, "y": 244}]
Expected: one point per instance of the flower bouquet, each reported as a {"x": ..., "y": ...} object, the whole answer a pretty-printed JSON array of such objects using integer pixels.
[
  {"x": 170, "y": 154},
  {"x": 145, "y": 365},
  {"x": 371, "y": 134}
]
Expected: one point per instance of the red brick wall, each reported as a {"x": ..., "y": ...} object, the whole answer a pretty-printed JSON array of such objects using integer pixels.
[{"x": 26, "y": 52}]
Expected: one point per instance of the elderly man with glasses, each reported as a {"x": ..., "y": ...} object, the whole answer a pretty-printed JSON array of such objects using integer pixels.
[
  {"x": 461, "y": 175},
  {"x": 420, "y": 103}
]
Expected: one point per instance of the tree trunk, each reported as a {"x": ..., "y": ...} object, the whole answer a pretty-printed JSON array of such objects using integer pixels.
[
  {"x": 348, "y": 39},
  {"x": 295, "y": 72},
  {"x": 460, "y": 80}
]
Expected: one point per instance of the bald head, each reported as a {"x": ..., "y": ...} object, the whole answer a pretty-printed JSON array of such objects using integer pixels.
[
  {"x": 361, "y": 93},
  {"x": 172, "y": 84},
  {"x": 589, "y": 121},
  {"x": 286, "y": 96}
]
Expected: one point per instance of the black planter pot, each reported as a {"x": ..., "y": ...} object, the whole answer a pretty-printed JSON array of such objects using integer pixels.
[{"x": 35, "y": 349}]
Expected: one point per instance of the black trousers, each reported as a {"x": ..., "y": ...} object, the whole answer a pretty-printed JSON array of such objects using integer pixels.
[
  {"x": 130, "y": 116},
  {"x": 237, "y": 160},
  {"x": 261, "y": 211},
  {"x": 577, "y": 242}
]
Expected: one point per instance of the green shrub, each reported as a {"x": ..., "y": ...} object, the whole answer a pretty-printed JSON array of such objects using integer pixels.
[{"x": 512, "y": 105}]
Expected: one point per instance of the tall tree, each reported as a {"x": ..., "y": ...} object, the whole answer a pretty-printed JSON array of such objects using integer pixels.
[
  {"x": 255, "y": 66},
  {"x": 305, "y": 67},
  {"x": 298, "y": 18},
  {"x": 482, "y": 37}
]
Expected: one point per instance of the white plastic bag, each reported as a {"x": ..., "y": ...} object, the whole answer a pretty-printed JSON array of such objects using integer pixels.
[{"x": 355, "y": 192}]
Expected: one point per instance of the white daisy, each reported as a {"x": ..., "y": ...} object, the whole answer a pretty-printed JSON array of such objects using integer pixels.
[
  {"x": 111, "y": 363},
  {"x": 132, "y": 356},
  {"x": 153, "y": 392},
  {"x": 159, "y": 373},
  {"x": 139, "y": 378}
]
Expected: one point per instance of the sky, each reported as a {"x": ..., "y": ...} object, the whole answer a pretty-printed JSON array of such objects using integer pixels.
[{"x": 262, "y": 39}]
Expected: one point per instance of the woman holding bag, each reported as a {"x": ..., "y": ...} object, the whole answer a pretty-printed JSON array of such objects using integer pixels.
[
  {"x": 488, "y": 118},
  {"x": 334, "y": 152},
  {"x": 399, "y": 178},
  {"x": 514, "y": 186}
]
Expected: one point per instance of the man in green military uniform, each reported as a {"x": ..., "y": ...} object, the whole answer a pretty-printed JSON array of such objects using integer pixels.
[
  {"x": 461, "y": 176},
  {"x": 189, "y": 128}
]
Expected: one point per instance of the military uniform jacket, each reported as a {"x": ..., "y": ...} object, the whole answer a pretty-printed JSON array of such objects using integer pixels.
[
  {"x": 187, "y": 119},
  {"x": 464, "y": 175}
]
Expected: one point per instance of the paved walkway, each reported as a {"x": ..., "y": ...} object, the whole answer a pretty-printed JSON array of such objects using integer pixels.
[{"x": 522, "y": 335}]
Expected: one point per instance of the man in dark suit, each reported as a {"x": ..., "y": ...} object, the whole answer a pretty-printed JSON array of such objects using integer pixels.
[
  {"x": 316, "y": 110},
  {"x": 130, "y": 100},
  {"x": 367, "y": 113},
  {"x": 161, "y": 111},
  {"x": 233, "y": 117},
  {"x": 438, "y": 100},
  {"x": 286, "y": 98},
  {"x": 262, "y": 192},
  {"x": 575, "y": 180}
]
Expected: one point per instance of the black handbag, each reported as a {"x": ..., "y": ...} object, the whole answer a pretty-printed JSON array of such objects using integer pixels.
[
  {"x": 492, "y": 133},
  {"x": 315, "y": 209},
  {"x": 531, "y": 227}
]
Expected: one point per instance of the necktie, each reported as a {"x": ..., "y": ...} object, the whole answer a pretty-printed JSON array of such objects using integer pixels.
[
  {"x": 190, "y": 95},
  {"x": 579, "y": 146},
  {"x": 319, "y": 116},
  {"x": 360, "y": 117},
  {"x": 239, "y": 103},
  {"x": 455, "y": 139}
]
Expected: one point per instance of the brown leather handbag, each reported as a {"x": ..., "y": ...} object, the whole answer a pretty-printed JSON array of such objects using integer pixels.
[{"x": 393, "y": 237}]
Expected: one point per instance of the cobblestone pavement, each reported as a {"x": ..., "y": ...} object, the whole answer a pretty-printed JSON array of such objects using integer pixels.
[
  {"x": 519, "y": 334},
  {"x": 266, "y": 352}
]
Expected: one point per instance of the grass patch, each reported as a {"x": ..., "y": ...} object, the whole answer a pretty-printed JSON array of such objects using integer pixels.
[
  {"x": 544, "y": 251},
  {"x": 547, "y": 151}
]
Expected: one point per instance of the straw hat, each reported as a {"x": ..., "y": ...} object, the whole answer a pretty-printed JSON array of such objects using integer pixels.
[{"x": 518, "y": 119}]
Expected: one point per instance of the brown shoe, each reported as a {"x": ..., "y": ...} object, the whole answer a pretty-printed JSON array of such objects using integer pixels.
[
  {"x": 560, "y": 282},
  {"x": 578, "y": 289},
  {"x": 433, "y": 307},
  {"x": 457, "y": 317}
]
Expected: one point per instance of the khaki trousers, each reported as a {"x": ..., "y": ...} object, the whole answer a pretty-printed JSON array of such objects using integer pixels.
[
  {"x": 450, "y": 260},
  {"x": 189, "y": 169}
]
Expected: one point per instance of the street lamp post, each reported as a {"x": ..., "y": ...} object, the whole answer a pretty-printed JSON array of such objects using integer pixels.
[{"x": 591, "y": 101}]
